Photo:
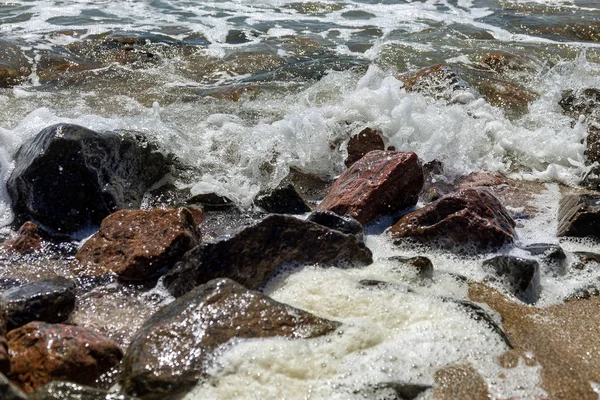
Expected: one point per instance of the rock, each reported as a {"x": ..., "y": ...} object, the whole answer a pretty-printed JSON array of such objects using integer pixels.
[
  {"x": 49, "y": 300},
  {"x": 58, "y": 390},
  {"x": 137, "y": 244},
  {"x": 211, "y": 202},
  {"x": 422, "y": 265},
  {"x": 253, "y": 255},
  {"x": 479, "y": 314},
  {"x": 502, "y": 62},
  {"x": 27, "y": 241},
  {"x": 193, "y": 326},
  {"x": 67, "y": 177},
  {"x": 579, "y": 215},
  {"x": 439, "y": 81},
  {"x": 521, "y": 274},
  {"x": 282, "y": 200},
  {"x": 581, "y": 102},
  {"x": 8, "y": 391},
  {"x": 42, "y": 352},
  {"x": 471, "y": 216},
  {"x": 342, "y": 223},
  {"x": 459, "y": 381},
  {"x": 482, "y": 178},
  {"x": 4, "y": 357},
  {"x": 362, "y": 143},
  {"x": 393, "y": 391},
  {"x": 14, "y": 65},
  {"x": 551, "y": 254},
  {"x": 435, "y": 184},
  {"x": 381, "y": 183}
]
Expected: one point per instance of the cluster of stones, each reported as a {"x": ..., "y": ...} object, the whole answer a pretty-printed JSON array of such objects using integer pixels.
[{"x": 217, "y": 283}]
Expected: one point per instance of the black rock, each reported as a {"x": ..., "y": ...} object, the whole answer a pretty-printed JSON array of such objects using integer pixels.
[
  {"x": 422, "y": 265},
  {"x": 579, "y": 215},
  {"x": 393, "y": 391},
  {"x": 551, "y": 254},
  {"x": 50, "y": 300},
  {"x": 8, "y": 391},
  {"x": 343, "y": 223},
  {"x": 173, "y": 348},
  {"x": 211, "y": 202},
  {"x": 68, "y": 178},
  {"x": 282, "y": 200},
  {"x": 253, "y": 255},
  {"x": 521, "y": 274},
  {"x": 59, "y": 390}
]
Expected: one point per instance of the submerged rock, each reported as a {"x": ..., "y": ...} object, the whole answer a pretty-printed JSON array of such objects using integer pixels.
[
  {"x": 59, "y": 390},
  {"x": 362, "y": 143},
  {"x": 41, "y": 353},
  {"x": 522, "y": 275},
  {"x": 137, "y": 244},
  {"x": 172, "y": 350},
  {"x": 422, "y": 265},
  {"x": 342, "y": 223},
  {"x": 472, "y": 216},
  {"x": 579, "y": 215},
  {"x": 28, "y": 239},
  {"x": 14, "y": 65},
  {"x": 50, "y": 300},
  {"x": 253, "y": 255},
  {"x": 67, "y": 177},
  {"x": 381, "y": 183},
  {"x": 438, "y": 81},
  {"x": 9, "y": 391},
  {"x": 282, "y": 200}
]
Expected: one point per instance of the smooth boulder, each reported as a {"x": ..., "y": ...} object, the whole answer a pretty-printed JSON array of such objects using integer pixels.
[
  {"x": 381, "y": 183},
  {"x": 522, "y": 275},
  {"x": 579, "y": 215},
  {"x": 472, "y": 216},
  {"x": 191, "y": 328},
  {"x": 282, "y": 200},
  {"x": 68, "y": 178},
  {"x": 50, "y": 300},
  {"x": 253, "y": 255},
  {"x": 138, "y": 244},
  {"x": 41, "y": 353}
]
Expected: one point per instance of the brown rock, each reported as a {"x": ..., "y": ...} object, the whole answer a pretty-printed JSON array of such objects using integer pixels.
[
  {"x": 381, "y": 183},
  {"x": 14, "y": 66},
  {"x": 42, "y": 352},
  {"x": 193, "y": 326},
  {"x": 253, "y": 255},
  {"x": 27, "y": 241},
  {"x": 4, "y": 358},
  {"x": 438, "y": 81},
  {"x": 579, "y": 215},
  {"x": 469, "y": 216},
  {"x": 136, "y": 244},
  {"x": 365, "y": 141}
]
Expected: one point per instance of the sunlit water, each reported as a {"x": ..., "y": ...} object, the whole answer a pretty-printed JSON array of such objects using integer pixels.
[{"x": 352, "y": 51}]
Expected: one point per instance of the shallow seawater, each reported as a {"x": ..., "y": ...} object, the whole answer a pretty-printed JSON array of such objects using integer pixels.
[{"x": 242, "y": 92}]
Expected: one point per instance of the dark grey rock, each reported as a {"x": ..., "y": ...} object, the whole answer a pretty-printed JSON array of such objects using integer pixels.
[
  {"x": 50, "y": 300},
  {"x": 8, "y": 391},
  {"x": 282, "y": 200},
  {"x": 479, "y": 314},
  {"x": 552, "y": 255},
  {"x": 393, "y": 391},
  {"x": 59, "y": 390},
  {"x": 191, "y": 328},
  {"x": 68, "y": 178},
  {"x": 253, "y": 255},
  {"x": 343, "y": 223},
  {"x": 579, "y": 215},
  {"x": 521, "y": 274}
]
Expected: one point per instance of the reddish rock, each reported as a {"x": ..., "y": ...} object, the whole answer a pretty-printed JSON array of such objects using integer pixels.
[
  {"x": 579, "y": 215},
  {"x": 27, "y": 241},
  {"x": 137, "y": 244},
  {"x": 359, "y": 145},
  {"x": 483, "y": 178},
  {"x": 41, "y": 353},
  {"x": 469, "y": 216},
  {"x": 381, "y": 183}
]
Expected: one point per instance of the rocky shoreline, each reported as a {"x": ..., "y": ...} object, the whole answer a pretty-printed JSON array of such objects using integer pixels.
[{"x": 70, "y": 182}]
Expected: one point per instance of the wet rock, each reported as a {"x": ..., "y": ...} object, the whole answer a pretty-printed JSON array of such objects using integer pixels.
[
  {"x": 4, "y": 357},
  {"x": 478, "y": 313},
  {"x": 54, "y": 65},
  {"x": 362, "y": 143},
  {"x": 393, "y": 391},
  {"x": 342, "y": 223},
  {"x": 28, "y": 239},
  {"x": 483, "y": 178},
  {"x": 242, "y": 63},
  {"x": 502, "y": 62},
  {"x": 581, "y": 102},
  {"x": 551, "y": 254},
  {"x": 58, "y": 390},
  {"x": 521, "y": 274},
  {"x": 195, "y": 325},
  {"x": 8, "y": 391},
  {"x": 585, "y": 259},
  {"x": 471, "y": 216},
  {"x": 49, "y": 300},
  {"x": 381, "y": 183},
  {"x": 422, "y": 265},
  {"x": 459, "y": 381},
  {"x": 311, "y": 187},
  {"x": 504, "y": 93},
  {"x": 14, "y": 66},
  {"x": 211, "y": 202},
  {"x": 42, "y": 352},
  {"x": 253, "y": 255},
  {"x": 435, "y": 184},
  {"x": 383, "y": 285},
  {"x": 439, "y": 81},
  {"x": 137, "y": 244},
  {"x": 67, "y": 177},
  {"x": 579, "y": 215},
  {"x": 282, "y": 200}
]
